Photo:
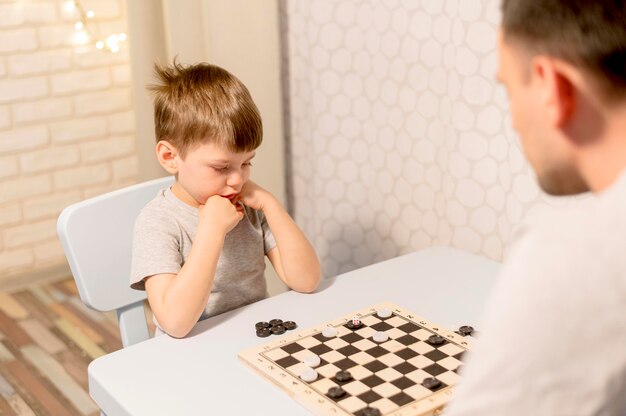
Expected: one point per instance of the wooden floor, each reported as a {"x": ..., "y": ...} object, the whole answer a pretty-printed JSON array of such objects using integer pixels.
[{"x": 47, "y": 340}]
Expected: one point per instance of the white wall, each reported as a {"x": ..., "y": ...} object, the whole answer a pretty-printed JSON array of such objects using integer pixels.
[
  {"x": 401, "y": 137},
  {"x": 148, "y": 44}
]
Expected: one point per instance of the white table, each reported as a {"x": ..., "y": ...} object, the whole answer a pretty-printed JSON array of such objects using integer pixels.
[{"x": 201, "y": 374}]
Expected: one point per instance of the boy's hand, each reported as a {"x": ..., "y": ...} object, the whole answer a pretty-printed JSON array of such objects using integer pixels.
[
  {"x": 253, "y": 196},
  {"x": 219, "y": 213}
]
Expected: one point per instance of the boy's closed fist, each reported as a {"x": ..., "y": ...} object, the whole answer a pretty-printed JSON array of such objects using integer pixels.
[{"x": 219, "y": 213}]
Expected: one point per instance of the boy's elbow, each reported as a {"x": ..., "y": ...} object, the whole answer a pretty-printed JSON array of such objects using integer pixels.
[
  {"x": 313, "y": 284},
  {"x": 308, "y": 289},
  {"x": 175, "y": 329},
  {"x": 310, "y": 284},
  {"x": 176, "y": 333}
]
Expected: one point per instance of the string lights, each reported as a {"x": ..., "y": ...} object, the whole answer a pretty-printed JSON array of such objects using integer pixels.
[{"x": 85, "y": 34}]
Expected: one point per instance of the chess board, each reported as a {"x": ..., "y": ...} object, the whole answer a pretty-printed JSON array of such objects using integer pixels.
[{"x": 387, "y": 376}]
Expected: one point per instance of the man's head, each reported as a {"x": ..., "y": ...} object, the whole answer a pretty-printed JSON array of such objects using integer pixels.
[
  {"x": 201, "y": 104},
  {"x": 562, "y": 62}
]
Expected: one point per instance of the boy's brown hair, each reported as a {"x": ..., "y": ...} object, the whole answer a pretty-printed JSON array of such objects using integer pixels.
[
  {"x": 587, "y": 33},
  {"x": 204, "y": 103}
]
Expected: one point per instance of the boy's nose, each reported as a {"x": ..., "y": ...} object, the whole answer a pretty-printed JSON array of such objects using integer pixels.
[{"x": 235, "y": 178}]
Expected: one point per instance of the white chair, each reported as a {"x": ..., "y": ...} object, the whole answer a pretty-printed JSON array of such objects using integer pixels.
[{"x": 96, "y": 235}]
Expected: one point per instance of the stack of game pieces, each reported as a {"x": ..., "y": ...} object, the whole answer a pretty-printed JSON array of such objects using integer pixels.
[{"x": 275, "y": 326}]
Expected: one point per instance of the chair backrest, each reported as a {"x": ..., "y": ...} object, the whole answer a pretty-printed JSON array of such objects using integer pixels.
[{"x": 96, "y": 235}]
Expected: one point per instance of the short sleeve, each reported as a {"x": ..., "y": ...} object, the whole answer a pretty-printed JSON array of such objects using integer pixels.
[
  {"x": 268, "y": 238},
  {"x": 156, "y": 246}
]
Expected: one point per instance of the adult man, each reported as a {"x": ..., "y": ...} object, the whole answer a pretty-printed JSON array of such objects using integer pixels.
[{"x": 554, "y": 333}]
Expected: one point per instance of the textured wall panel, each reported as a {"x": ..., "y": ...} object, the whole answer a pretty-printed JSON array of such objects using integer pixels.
[{"x": 400, "y": 136}]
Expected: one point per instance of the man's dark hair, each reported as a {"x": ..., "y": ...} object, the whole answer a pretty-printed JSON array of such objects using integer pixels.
[{"x": 587, "y": 33}]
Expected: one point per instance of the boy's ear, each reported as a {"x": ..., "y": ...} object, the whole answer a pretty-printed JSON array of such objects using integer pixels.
[{"x": 167, "y": 155}]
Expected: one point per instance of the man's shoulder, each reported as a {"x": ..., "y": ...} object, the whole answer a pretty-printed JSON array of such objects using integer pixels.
[
  {"x": 596, "y": 215},
  {"x": 574, "y": 241}
]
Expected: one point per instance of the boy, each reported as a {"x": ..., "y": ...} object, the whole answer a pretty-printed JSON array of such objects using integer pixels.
[{"x": 199, "y": 246}]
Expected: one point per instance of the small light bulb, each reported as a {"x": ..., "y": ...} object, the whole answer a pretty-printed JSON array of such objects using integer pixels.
[
  {"x": 90, "y": 14},
  {"x": 70, "y": 6},
  {"x": 81, "y": 38},
  {"x": 78, "y": 25},
  {"x": 122, "y": 36},
  {"x": 115, "y": 48},
  {"x": 99, "y": 45}
]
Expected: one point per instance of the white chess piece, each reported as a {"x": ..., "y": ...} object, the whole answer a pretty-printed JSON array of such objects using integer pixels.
[
  {"x": 329, "y": 332},
  {"x": 308, "y": 375},
  {"x": 380, "y": 336},
  {"x": 312, "y": 360},
  {"x": 384, "y": 313}
]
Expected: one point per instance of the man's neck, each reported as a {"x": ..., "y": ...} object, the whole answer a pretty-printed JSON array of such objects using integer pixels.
[{"x": 602, "y": 162}]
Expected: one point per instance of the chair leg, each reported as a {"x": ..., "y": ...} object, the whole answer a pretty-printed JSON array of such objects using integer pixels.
[{"x": 133, "y": 326}]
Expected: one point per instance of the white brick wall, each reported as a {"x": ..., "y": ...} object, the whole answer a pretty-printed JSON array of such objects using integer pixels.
[
  {"x": 78, "y": 129},
  {"x": 23, "y": 187},
  {"x": 82, "y": 176},
  {"x": 18, "y": 139},
  {"x": 22, "y": 235},
  {"x": 16, "y": 89},
  {"x": 49, "y": 159},
  {"x": 27, "y": 12},
  {"x": 5, "y": 121},
  {"x": 125, "y": 169},
  {"x": 122, "y": 122},
  {"x": 102, "y": 102},
  {"x": 81, "y": 80},
  {"x": 106, "y": 9},
  {"x": 66, "y": 125},
  {"x": 48, "y": 253},
  {"x": 42, "y": 110},
  {"x": 8, "y": 166},
  {"x": 49, "y": 206},
  {"x": 88, "y": 57},
  {"x": 16, "y": 261},
  {"x": 56, "y": 36},
  {"x": 19, "y": 40},
  {"x": 107, "y": 149},
  {"x": 11, "y": 214},
  {"x": 41, "y": 63}
]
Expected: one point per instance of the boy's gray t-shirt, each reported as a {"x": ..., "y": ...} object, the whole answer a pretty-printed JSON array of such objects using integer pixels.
[{"x": 164, "y": 232}]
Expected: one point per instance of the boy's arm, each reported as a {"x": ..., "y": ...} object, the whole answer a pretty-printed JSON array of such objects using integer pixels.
[
  {"x": 293, "y": 257},
  {"x": 178, "y": 300}
]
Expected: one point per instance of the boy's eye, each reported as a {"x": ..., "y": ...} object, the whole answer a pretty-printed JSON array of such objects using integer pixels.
[{"x": 226, "y": 168}]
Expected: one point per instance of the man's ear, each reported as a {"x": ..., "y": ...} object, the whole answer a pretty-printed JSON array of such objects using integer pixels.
[
  {"x": 167, "y": 155},
  {"x": 557, "y": 89}
]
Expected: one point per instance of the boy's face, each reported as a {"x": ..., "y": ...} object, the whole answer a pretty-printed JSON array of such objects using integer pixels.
[{"x": 210, "y": 169}]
